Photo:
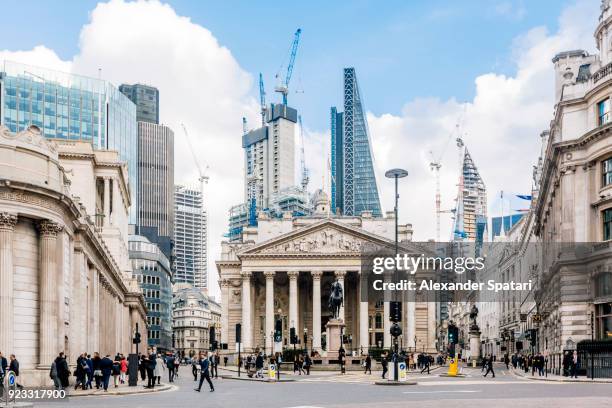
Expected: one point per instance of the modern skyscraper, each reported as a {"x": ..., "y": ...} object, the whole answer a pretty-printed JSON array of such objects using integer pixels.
[
  {"x": 269, "y": 154},
  {"x": 71, "y": 107},
  {"x": 354, "y": 187},
  {"x": 190, "y": 237},
  {"x": 146, "y": 99},
  {"x": 152, "y": 270},
  {"x": 337, "y": 161},
  {"x": 472, "y": 202},
  {"x": 156, "y": 185}
]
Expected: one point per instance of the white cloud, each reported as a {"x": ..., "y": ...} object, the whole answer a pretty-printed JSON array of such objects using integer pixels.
[
  {"x": 501, "y": 127},
  {"x": 201, "y": 84}
]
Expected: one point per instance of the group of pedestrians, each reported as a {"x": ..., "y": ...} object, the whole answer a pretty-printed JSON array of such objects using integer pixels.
[
  {"x": 97, "y": 370},
  {"x": 12, "y": 364},
  {"x": 534, "y": 362},
  {"x": 302, "y": 364}
]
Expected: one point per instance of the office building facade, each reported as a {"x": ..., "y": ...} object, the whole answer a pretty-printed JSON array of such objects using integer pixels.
[
  {"x": 354, "y": 187},
  {"x": 71, "y": 107},
  {"x": 156, "y": 185},
  {"x": 146, "y": 99},
  {"x": 190, "y": 237},
  {"x": 151, "y": 269}
]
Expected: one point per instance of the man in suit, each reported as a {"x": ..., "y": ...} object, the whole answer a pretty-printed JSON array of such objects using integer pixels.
[
  {"x": 14, "y": 367},
  {"x": 170, "y": 365},
  {"x": 106, "y": 366},
  {"x": 151, "y": 363},
  {"x": 204, "y": 373}
]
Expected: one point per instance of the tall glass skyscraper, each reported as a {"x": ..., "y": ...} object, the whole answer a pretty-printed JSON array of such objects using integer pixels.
[
  {"x": 72, "y": 107},
  {"x": 354, "y": 187}
]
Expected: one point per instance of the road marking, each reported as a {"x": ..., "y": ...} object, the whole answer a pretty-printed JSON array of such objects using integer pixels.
[
  {"x": 440, "y": 391},
  {"x": 475, "y": 382}
]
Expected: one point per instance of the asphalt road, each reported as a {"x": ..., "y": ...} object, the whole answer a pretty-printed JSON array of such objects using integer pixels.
[{"x": 358, "y": 390}]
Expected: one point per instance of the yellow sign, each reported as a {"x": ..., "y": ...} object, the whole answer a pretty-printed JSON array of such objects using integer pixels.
[
  {"x": 272, "y": 371},
  {"x": 453, "y": 367}
]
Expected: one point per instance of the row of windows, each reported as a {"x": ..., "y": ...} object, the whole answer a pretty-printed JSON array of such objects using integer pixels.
[
  {"x": 151, "y": 293},
  {"x": 153, "y": 334},
  {"x": 153, "y": 320},
  {"x": 152, "y": 307}
]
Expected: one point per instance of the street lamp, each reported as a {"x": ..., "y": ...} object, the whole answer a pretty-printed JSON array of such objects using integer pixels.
[{"x": 396, "y": 330}]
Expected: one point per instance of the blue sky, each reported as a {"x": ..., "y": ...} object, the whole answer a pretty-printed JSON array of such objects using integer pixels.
[{"x": 401, "y": 50}]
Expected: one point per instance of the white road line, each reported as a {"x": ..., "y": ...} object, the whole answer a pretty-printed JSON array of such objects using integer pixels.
[{"x": 440, "y": 391}]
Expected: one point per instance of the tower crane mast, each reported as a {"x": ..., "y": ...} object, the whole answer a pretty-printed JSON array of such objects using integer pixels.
[
  {"x": 304, "y": 170},
  {"x": 262, "y": 100},
  {"x": 283, "y": 87}
]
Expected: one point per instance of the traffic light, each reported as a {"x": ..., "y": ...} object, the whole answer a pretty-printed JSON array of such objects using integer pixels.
[
  {"x": 533, "y": 337},
  {"x": 396, "y": 330},
  {"x": 278, "y": 331},
  {"x": 292, "y": 336},
  {"x": 395, "y": 311},
  {"x": 211, "y": 334},
  {"x": 136, "y": 339},
  {"x": 453, "y": 334},
  {"x": 238, "y": 333}
]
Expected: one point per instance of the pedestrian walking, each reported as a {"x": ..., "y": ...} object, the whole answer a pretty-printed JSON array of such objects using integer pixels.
[
  {"x": 177, "y": 364},
  {"x": 142, "y": 367},
  {"x": 63, "y": 372},
  {"x": 216, "y": 361},
  {"x": 426, "y": 363},
  {"x": 88, "y": 372},
  {"x": 385, "y": 365},
  {"x": 307, "y": 363},
  {"x": 124, "y": 369},
  {"x": 204, "y": 372},
  {"x": 79, "y": 372},
  {"x": 53, "y": 375},
  {"x": 489, "y": 363},
  {"x": 116, "y": 372},
  {"x": 170, "y": 366},
  {"x": 151, "y": 361},
  {"x": 259, "y": 365},
  {"x": 14, "y": 367},
  {"x": 195, "y": 366},
  {"x": 106, "y": 366},
  {"x": 368, "y": 364},
  {"x": 574, "y": 365},
  {"x": 96, "y": 362},
  {"x": 159, "y": 368},
  {"x": 507, "y": 361}
]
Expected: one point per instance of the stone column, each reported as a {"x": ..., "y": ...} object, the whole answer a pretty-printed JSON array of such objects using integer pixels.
[
  {"x": 386, "y": 325},
  {"x": 48, "y": 301},
  {"x": 7, "y": 225},
  {"x": 106, "y": 201},
  {"x": 269, "y": 327},
  {"x": 293, "y": 299},
  {"x": 225, "y": 284},
  {"x": 247, "y": 332},
  {"x": 411, "y": 323},
  {"x": 340, "y": 277},
  {"x": 364, "y": 333},
  {"x": 316, "y": 310},
  {"x": 431, "y": 325}
]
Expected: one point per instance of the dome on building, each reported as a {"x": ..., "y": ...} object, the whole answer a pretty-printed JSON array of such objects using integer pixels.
[{"x": 320, "y": 199}]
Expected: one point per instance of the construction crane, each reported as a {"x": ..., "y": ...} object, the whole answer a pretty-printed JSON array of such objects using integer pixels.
[
  {"x": 283, "y": 86},
  {"x": 435, "y": 165},
  {"x": 262, "y": 100},
  {"x": 304, "y": 170},
  {"x": 203, "y": 179},
  {"x": 244, "y": 126}
]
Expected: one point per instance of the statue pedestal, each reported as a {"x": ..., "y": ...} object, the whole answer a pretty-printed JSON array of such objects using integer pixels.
[
  {"x": 475, "y": 344},
  {"x": 334, "y": 329}
]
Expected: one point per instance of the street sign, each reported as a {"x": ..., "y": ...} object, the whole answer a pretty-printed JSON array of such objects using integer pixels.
[
  {"x": 10, "y": 378},
  {"x": 272, "y": 371},
  {"x": 401, "y": 371}
]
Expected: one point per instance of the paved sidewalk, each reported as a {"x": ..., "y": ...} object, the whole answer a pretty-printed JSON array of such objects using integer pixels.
[
  {"x": 559, "y": 378},
  {"x": 122, "y": 389}
]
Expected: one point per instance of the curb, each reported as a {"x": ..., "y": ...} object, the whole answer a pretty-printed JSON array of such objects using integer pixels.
[
  {"x": 98, "y": 393},
  {"x": 562, "y": 380}
]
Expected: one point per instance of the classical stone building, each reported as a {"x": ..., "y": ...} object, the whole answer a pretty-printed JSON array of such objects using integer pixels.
[
  {"x": 64, "y": 275},
  {"x": 194, "y": 313},
  {"x": 574, "y": 299},
  {"x": 283, "y": 269}
]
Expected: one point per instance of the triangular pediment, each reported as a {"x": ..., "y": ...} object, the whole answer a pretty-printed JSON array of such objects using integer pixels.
[{"x": 325, "y": 237}]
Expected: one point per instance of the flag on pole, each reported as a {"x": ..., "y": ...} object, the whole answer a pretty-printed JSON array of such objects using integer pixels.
[{"x": 524, "y": 197}]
